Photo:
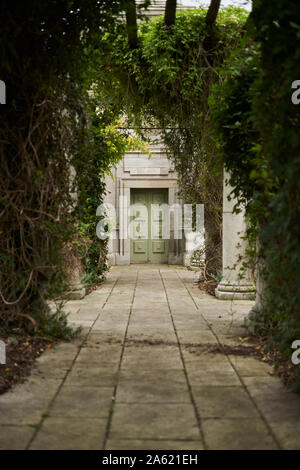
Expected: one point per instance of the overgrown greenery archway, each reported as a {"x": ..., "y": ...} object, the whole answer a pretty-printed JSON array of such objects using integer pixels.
[
  {"x": 58, "y": 49},
  {"x": 162, "y": 73}
]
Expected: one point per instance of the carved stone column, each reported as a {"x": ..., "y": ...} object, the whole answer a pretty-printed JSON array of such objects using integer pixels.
[
  {"x": 231, "y": 285},
  {"x": 74, "y": 273},
  {"x": 253, "y": 318},
  {"x": 77, "y": 291}
]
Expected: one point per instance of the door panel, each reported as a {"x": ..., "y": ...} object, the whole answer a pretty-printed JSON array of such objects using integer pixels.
[
  {"x": 149, "y": 229},
  {"x": 140, "y": 246},
  {"x": 139, "y": 226},
  {"x": 158, "y": 247},
  {"x": 159, "y": 220}
]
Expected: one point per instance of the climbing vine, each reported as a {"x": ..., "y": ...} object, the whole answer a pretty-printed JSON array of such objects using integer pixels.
[
  {"x": 105, "y": 143},
  {"x": 258, "y": 127},
  {"x": 46, "y": 52},
  {"x": 166, "y": 82}
]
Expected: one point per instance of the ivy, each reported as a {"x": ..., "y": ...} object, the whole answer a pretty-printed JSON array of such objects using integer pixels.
[
  {"x": 165, "y": 82},
  {"x": 258, "y": 129},
  {"x": 104, "y": 144},
  {"x": 46, "y": 63}
]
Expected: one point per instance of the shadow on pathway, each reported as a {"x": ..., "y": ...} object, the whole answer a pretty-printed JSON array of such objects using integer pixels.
[{"x": 150, "y": 373}]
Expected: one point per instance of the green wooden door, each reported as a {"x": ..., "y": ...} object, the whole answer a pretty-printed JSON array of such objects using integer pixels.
[{"x": 149, "y": 226}]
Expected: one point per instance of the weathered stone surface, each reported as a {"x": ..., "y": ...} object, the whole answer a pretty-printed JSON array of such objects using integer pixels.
[
  {"x": 183, "y": 322},
  {"x": 210, "y": 378},
  {"x": 287, "y": 431},
  {"x": 76, "y": 294},
  {"x": 242, "y": 434},
  {"x": 151, "y": 357},
  {"x": 22, "y": 406},
  {"x": 195, "y": 336},
  {"x": 159, "y": 307},
  {"x": 152, "y": 390},
  {"x": 55, "y": 370},
  {"x": 223, "y": 402},
  {"x": 93, "y": 375},
  {"x": 71, "y": 434},
  {"x": 275, "y": 402},
  {"x": 250, "y": 367},
  {"x": 234, "y": 246},
  {"x": 87, "y": 402},
  {"x": 139, "y": 334},
  {"x": 100, "y": 353},
  {"x": 154, "y": 422},
  {"x": 15, "y": 437},
  {"x": 177, "y": 376},
  {"x": 85, "y": 314},
  {"x": 148, "y": 444},
  {"x": 207, "y": 363},
  {"x": 129, "y": 365}
]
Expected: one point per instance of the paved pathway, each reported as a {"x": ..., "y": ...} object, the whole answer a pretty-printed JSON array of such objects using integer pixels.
[{"x": 149, "y": 374}]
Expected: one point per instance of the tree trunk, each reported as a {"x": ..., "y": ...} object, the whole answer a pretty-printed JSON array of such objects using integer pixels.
[
  {"x": 212, "y": 12},
  {"x": 210, "y": 40},
  {"x": 131, "y": 24},
  {"x": 170, "y": 12}
]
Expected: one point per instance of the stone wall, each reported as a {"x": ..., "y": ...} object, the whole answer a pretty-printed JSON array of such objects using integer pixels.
[{"x": 146, "y": 171}]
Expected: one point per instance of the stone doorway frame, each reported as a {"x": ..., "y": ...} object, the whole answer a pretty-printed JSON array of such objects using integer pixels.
[{"x": 122, "y": 254}]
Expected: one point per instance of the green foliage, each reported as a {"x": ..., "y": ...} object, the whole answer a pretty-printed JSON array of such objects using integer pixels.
[
  {"x": 45, "y": 61},
  {"x": 167, "y": 75},
  {"x": 166, "y": 83},
  {"x": 238, "y": 140},
  {"x": 55, "y": 325},
  {"x": 258, "y": 128},
  {"x": 216, "y": 277},
  {"x": 278, "y": 121},
  {"x": 231, "y": 105},
  {"x": 104, "y": 145}
]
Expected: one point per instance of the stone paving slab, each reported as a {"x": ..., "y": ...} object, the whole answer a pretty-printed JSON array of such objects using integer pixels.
[
  {"x": 159, "y": 308},
  {"x": 23, "y": 406},
  {"x": 147, "y": 373},
  {"x": 153, "y": 390},
  {"x": 15, "y": 437},
  {"x": 214, "y": 378},
  {"x": 195, "y": 336},
  {"x": 151, "y": 357},
  {"x": 177, "y": 376},
  {"x": 93, "y": 375},
  {"x": 49, "y": 370},
  {"x": 83, "y": 402},
  {"x": 223, "y": 402},
  {"x": 249, "y": 366},
  {"x": 208, "y": 363},
  {"x": 151, "y": 321},
  {"x": 148, "y": 444},
  {"x": 244, "y": 434},
  {"x": 160, "y": 421},
  {"x": 100, "y": 355},
  {"x": 151, "y": 335},
  {"x": 73, "y": 434},
  {"x": 274, "y": 400}
]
